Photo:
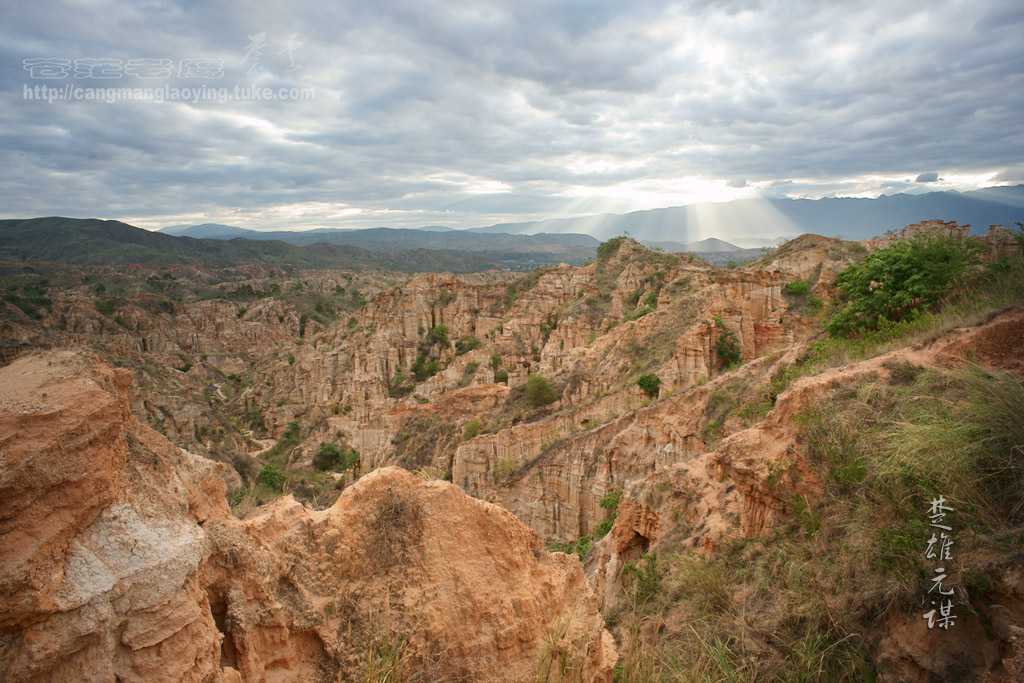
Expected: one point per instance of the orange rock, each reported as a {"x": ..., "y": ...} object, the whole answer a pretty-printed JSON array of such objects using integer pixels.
[{"x": 125, "y": 562}]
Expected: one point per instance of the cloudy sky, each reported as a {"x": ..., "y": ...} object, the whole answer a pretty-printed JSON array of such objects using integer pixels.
[{"x": 472, "y": 113}]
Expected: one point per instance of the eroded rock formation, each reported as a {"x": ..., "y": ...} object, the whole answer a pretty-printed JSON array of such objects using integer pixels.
[{"x": 123, "y": 561}]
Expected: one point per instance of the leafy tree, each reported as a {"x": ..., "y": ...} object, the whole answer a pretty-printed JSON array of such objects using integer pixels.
[
  {"x": 466, "y": 344},
  {"x": 650, "y": 384},
  {"x": 727, "y": 346},
  {"x": 331, "y": 457},
  {"x": 895, "y": 283},
  {"x": 438, "y": 335},
  {"x": 539, "y": 391},
  {"x": 424, "y": 369},
  {"x": 271, "y": 477}
]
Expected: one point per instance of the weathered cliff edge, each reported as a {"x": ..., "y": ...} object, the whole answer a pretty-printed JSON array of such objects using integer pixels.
[
  {"x": 678, "y": 504},
  {"x": 122, "y": 561}
]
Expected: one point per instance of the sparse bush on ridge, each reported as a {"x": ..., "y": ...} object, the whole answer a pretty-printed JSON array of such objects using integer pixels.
[
  {"x": 438, "y": 335},
  {"x": 607, "y": 248},
  {"x": 538, "y": 390},
  {"x": 466, "y": 344}
]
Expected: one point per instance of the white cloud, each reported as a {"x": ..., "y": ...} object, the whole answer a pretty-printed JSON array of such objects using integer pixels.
[{"x": 474, "y": 113}]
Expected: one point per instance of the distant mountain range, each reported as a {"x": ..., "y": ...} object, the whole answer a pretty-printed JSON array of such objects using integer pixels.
[
  {"x": 846, "y": 217},
  {"x": 509, "y": 249},
  {"x": 91, "y": 241},
  {"x": 748, "y": 224},
  {"x": 542, "y": 247},
  {"x": 745, "y": 224}
]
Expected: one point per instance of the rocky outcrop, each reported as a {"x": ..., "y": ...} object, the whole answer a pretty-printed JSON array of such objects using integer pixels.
[
  {"x": 102, "y": 526},
  {"x": 124, "y": 562},
  {"x": 1001, "y": 243}
]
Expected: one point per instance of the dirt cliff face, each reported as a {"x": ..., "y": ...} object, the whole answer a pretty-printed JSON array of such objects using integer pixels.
[
  {"x": 591, "y": 330},
  {"x": 191, "y": 335},
  {"x": 125, "y": 562}
]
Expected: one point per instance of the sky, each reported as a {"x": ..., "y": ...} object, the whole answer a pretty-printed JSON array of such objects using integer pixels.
[{"x": 411, "y": 113}]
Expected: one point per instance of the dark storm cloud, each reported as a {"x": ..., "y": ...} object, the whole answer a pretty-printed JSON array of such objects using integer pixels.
[{"x": 472, "y": 113}]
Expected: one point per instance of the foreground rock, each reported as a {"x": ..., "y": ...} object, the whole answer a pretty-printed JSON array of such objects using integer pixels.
[{"x": 123, "y": 561}]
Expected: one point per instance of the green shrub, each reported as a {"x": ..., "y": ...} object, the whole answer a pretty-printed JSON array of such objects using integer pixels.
[
  {"x": 651, "y": 384},
  {"x": 399, "y": 385},
  {"x": 501, "y": 377},
  {"x": 538, "y": 391},
  {"x": 609, "y": 247},
  {"x": 645, "y": 580},
  {"x": 637, "y": 314},
  {"x": 270, "y": 477},
  {"x": 580, "y": 548},
  {"x": 610, "y": 502},
  {"x": 334, "y": 458},
  {"x": 727, "y": 346},
  {"x": 897, "y": 282},
  {"x": 438, "y": 335},
  {"x": 424, "y": 369},
  {"x": 466, "y": 344},
  {"x": 472, "y": 429},
  {"x": 468, "y": 373},
  {"x": 797, "y": 287}
]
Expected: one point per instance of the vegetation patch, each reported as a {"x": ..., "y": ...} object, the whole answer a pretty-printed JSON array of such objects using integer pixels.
[
  {"x": 727, "y": 346},
  {"x": 336, "y": 458},
  {"x": 610, "y": 502},
  {"x": 651, "y": 384},
  {"x": 539, "y": 391},
  {"x": 901, "y": 281}
]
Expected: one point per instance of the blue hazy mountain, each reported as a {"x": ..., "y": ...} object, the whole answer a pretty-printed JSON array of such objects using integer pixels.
[
  {"x": 748, "y": 222},
  {"x": 850, "y": 218}
]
